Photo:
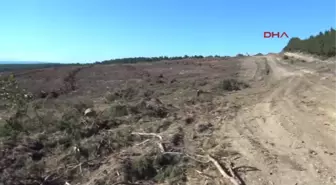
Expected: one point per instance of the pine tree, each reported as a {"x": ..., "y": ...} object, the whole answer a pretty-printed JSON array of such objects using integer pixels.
[{"x": 321, "y": 44}]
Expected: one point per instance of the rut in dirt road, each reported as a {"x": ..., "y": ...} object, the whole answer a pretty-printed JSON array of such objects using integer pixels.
[
  {"x": 69, "y": 84},
  {"x": 288, "y": 131}
]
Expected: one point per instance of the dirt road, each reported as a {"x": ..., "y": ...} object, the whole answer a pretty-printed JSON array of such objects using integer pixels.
[{"x": 286, "y": 126}]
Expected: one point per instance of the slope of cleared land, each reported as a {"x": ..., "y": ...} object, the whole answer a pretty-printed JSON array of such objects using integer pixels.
[{"x": 264, "y": 119}]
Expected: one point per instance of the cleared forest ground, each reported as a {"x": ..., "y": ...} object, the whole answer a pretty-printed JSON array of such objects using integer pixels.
[{"x": 265, "y": 119}]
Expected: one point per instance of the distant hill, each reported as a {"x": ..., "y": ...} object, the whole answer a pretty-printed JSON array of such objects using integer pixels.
[
  {"x": 22, "y": 62},
  {"x": 18, "y": 65},
  {"x": 14, "y": 66}
]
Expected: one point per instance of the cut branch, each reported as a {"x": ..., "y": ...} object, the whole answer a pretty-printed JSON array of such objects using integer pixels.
[
  {"x": 161, "y": 147},
  {"x": 142, "y": 142},
  {"x": 234, "y": 180},
  {"x": 147, "y": 134}
]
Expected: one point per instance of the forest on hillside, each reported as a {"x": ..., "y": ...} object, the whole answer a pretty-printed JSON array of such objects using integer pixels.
[
  {"x": 322, "y": 44},
  {"x": 149, "y": 59}
]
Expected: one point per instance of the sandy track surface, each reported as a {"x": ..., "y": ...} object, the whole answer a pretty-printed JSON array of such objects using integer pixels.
[{"x": 286, "y": 126}]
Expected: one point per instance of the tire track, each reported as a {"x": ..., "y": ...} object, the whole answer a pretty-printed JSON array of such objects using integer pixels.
[
  {"x": 280, "y": 136},
  {"x": 69, "y": 84}
]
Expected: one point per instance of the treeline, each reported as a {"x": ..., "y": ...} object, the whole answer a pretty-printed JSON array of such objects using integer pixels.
[
  {"x": 152, "y": 59},
  {"x": 322, "y": 44},
  {"x": 15, "y": 67}
]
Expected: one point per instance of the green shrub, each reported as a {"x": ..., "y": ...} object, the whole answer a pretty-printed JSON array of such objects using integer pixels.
[{"x": 13, "y": 96}]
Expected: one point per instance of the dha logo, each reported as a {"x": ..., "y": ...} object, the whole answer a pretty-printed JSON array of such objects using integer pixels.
[{"x": 274, "y": 34}]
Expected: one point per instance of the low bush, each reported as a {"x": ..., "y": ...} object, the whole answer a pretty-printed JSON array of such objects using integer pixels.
[{"x": 233, "y": 85}]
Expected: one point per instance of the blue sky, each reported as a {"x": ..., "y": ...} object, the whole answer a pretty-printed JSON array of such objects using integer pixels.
[{"x": 94, "y": 30}]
